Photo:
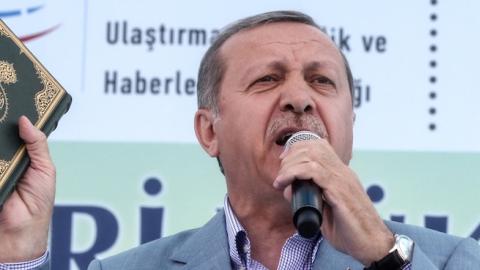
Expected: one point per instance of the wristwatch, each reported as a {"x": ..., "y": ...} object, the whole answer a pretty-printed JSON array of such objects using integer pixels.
[{"x": 398, "y": 256}]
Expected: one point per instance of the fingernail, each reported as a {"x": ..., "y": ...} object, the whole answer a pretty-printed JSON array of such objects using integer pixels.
[
  {"x": 276, "y": 183},
  {"x": 28, "y": 120}
]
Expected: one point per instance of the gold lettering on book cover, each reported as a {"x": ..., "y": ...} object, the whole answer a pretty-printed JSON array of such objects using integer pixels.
[
  {"x": 3, "y": 167},
  {"x": 8, "y": 75},
  {"x": 44, "y": 97}
]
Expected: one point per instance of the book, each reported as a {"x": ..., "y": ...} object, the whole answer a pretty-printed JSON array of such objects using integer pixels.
[{"x": 26, "y": 88}]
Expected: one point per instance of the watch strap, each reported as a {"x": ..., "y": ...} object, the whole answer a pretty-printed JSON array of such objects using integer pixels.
[{"x": 392, "y": 261}]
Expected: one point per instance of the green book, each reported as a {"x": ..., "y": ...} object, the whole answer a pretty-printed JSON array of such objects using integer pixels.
[{"x": 26, "y": 88}]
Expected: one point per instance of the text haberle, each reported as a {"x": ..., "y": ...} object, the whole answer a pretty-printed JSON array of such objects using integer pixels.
[{"x": 140, "y": 84}]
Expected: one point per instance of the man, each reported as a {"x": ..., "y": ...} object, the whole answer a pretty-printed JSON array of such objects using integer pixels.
[{"x": 265, "y": 77}]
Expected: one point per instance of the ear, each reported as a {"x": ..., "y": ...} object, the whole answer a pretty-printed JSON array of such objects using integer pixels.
[{"x": 206, "y": 135}]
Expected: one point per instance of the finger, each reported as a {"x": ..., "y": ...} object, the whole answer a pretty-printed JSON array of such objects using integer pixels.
[
  {"x": 35, "y": 142},
  {"x": 308, "y": 151},
  {"x": 287, "y": 193},
  {"x": 303, "y": 171},
  {"x": 327, "y": 226},
  {"x": 297, "y": 156},
  {"x": 295, "y": 148}
]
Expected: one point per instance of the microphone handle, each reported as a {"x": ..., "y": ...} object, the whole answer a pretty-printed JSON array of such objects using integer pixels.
[{"x": 306, "y": 207}]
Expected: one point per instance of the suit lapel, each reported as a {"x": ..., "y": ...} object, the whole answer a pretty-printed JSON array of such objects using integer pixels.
[
  {"x": 329, "y": 258},
  {"x": 207, "y": 248}
]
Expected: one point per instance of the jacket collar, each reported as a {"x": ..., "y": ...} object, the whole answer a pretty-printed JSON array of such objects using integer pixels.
[
  {"x": 330, "y": 258},
  {"x": 207, "y": 248}
]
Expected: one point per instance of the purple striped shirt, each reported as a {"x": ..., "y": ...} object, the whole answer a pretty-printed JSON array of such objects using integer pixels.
[
  {"x": 297, "y": 252},
  {"x": 25, "y": 265}
]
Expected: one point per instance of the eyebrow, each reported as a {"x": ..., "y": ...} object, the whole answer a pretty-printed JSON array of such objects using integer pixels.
[
  {"x": 314, "y": 65},
  {"x": 273, "y": 65},
  {"x": 281, "y": 66}
]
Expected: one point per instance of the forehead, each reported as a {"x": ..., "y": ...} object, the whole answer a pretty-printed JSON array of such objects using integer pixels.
[{"x": 281, "y": 39}]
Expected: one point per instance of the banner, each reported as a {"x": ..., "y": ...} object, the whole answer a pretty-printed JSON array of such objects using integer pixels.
[{"x": 129, "y": 166}]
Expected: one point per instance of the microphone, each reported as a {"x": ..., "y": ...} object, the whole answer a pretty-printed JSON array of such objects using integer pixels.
[{"x": 306, "y": 196}]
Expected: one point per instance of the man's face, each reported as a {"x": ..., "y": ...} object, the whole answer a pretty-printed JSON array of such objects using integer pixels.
[{"x": 279, "y": 78}]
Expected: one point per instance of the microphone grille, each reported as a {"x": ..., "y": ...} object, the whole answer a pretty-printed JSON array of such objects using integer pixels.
[{"x": 301, "y": 136}]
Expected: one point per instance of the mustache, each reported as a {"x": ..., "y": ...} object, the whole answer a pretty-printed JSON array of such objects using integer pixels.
[{"x": 297, "y": 121}]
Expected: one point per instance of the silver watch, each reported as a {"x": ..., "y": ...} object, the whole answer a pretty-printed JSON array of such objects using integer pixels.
[{"x": 404, "y": 247}]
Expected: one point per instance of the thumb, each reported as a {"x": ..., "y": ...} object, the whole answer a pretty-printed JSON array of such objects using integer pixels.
[{"x": 35, "y": 142}]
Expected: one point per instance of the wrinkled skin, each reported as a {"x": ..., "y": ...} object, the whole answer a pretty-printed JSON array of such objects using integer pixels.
[{"x": 281, "y": 78}]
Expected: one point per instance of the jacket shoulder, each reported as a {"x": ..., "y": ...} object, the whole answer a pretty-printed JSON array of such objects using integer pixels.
[
  {"x": 424, "y": 236},
  {"x": 150, "y": 255},
  {"x": 442, "y": 249},
  {"x": 202, "y": 246}
]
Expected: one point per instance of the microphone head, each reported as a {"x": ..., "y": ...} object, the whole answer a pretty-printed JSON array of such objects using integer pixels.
[{"x": 301, "y": 136}]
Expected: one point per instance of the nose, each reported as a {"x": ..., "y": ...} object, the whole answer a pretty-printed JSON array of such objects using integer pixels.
[{"x": 297, "y": 99}]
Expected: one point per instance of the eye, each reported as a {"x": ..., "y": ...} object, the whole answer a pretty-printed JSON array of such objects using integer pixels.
[
  {"x": 322, "y": 80},
  {"x": 264, "y": 82},
  {"x": 268, "y": 78}
]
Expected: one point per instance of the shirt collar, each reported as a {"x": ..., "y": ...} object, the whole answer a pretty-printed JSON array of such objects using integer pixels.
[
  {"x": 235, "y": 231},
  {"x": 239, "y": 244}
]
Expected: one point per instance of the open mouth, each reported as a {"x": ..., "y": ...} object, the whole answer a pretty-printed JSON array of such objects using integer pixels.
[{"x": 282, "y": 139}]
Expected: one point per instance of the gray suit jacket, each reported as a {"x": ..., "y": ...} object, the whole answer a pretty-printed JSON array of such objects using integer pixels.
[{"x": 207, "y": 248}]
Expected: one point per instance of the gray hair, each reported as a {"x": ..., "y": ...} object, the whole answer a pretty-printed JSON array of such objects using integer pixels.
[{"x": 212, "y": 67}]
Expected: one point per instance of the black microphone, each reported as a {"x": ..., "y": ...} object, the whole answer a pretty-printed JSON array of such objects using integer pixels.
[{"x": 306, "y": 196}]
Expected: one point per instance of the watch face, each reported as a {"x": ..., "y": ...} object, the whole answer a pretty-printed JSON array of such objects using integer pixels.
[{"x": 405, "y": 247}]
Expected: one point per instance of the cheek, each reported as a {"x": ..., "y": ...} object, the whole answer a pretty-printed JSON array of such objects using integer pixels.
[
  {"x": 247, "y": 112},
  {"x": 242, "y": 123},
  {"x": 339, "y": 124}
]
